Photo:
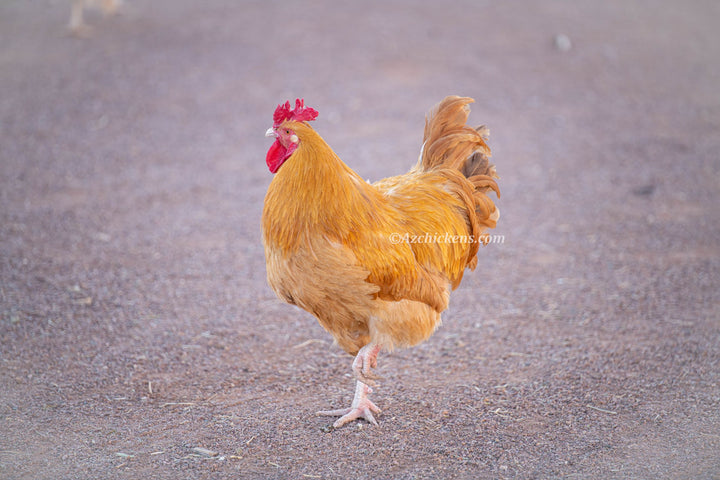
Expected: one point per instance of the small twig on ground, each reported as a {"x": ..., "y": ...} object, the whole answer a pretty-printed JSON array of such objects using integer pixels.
[
  {"x": 308, "y": 342},
  {"x": 500, "y": 413},
  {"x": 609, "y": 412}
]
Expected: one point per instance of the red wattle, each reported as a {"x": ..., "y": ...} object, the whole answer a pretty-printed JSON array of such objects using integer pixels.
[{"x": 276, "y": 156}]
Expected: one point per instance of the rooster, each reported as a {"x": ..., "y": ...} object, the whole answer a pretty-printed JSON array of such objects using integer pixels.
[{"x": 375, "y": 263}]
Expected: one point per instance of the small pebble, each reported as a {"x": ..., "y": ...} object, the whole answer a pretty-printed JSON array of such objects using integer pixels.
[
  {"x": 205, "y": 452},
  {"x": 562, "y": 42}
]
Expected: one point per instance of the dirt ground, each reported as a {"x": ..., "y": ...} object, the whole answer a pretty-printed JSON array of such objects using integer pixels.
[{"x": 139, "y": 336}]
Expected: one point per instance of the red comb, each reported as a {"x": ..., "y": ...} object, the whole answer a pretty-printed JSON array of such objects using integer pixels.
[{"x": 300, "y": 113}]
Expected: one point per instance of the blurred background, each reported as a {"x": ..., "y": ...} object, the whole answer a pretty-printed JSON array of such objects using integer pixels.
[{"x": 135, "y": 317}]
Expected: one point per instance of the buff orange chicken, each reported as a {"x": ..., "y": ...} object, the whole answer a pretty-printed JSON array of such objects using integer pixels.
[{"x": 375, "y": 263}]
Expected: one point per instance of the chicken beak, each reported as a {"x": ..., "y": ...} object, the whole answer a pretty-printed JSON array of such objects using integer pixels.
[{"x": 271, "y": 132}]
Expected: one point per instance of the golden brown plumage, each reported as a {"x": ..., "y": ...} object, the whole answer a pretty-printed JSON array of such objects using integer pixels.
[{"x": 375, "y": 263}]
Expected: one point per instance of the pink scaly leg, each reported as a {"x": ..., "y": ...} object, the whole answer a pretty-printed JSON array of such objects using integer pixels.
[
  {"x": 361, "y": 407},
  {"x": 364, "y": 362}
]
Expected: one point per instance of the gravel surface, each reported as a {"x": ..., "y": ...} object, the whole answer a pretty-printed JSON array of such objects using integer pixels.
[{"x": 139, "y": 338}]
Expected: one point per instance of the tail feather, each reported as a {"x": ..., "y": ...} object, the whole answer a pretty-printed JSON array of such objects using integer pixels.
[{"x": 449, "y": 143}]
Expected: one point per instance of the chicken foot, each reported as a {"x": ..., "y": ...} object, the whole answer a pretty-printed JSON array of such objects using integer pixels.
[{"x": 361, "y": 406}]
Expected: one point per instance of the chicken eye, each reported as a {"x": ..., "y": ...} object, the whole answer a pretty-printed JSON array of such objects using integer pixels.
[{"x": 287, "y": 132}]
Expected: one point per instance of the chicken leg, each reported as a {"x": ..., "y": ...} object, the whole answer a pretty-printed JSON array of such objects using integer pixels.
[{"x": 361, "y": 406}]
